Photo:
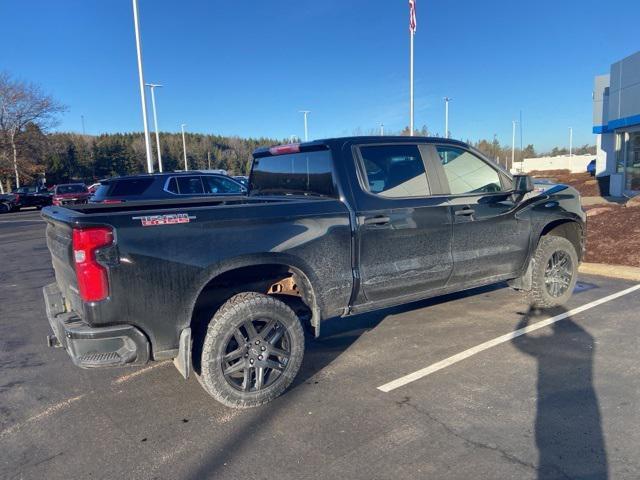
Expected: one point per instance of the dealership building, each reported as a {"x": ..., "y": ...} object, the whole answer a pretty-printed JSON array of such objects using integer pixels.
[{"x": 616, "y": 123}]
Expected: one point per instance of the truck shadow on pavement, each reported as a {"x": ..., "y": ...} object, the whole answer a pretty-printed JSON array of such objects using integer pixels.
[{"x": 568, "y": 428}]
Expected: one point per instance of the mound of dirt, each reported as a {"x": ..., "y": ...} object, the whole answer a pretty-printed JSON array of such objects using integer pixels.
[
  {"x": 583, "y": 182},
  {"x": 613, "y": 235}
]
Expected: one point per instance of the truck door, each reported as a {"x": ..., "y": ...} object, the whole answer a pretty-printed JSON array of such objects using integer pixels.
[
  {"x": 489, "y": 241},
  {"x": 404, "y": 234}
]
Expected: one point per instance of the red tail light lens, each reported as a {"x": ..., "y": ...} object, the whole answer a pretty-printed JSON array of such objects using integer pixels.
[
  {"x": 284, "y": 149},
  {"x": 93, "y": 281},
  {"x": 111, "y": 201}
]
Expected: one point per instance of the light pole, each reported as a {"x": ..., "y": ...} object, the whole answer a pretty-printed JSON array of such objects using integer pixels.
[
  {"x": 513, "y": 143},
  {"x": 184, "y": 147},
  {"x": 153, "y": 86},
  {"x": 382, "y": 129},
  {"x": 306, "y": 128},
  {"x": 143, "y": 98},
  {"x": 446, "y": 116},
  {"x": 570, "y": 142}
]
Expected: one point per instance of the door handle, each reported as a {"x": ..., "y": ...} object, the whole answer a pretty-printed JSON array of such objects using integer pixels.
[
  {"x": 464, "y": 211},
  {"x": 377, "y": 220}
]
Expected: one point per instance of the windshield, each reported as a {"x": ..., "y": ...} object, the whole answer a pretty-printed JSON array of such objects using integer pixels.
[
  {"x": 75, "y": 188},
  {"x": 304, "y": 173}
]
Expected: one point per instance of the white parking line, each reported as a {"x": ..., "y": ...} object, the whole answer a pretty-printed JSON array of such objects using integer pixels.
[
  {"x": 412, "y": 377},
  {"x": 22, "y": 221}
]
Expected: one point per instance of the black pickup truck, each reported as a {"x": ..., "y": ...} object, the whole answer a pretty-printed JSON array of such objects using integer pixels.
[
  {"x": 32, "y": 196},
  {"x": 330, "y": 228}
]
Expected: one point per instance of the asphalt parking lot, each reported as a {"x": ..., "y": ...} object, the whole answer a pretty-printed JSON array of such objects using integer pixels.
[{"x": 562, "y": 401}]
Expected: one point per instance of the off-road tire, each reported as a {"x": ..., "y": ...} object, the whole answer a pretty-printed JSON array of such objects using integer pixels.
[
  {"x": 233, "y": 313},
  {"x": 538, "y": 295}
]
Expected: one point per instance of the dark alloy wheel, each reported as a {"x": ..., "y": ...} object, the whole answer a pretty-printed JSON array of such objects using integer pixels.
[
  {"x": 252, "y": 350},
  {"x": 558, "y": 273},
  {"x": 256, "y": 354},
  {"x": 555, "y": 272}
]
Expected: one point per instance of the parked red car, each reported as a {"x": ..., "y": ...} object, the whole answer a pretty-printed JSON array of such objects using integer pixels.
[{"x": 70, "y": 194}]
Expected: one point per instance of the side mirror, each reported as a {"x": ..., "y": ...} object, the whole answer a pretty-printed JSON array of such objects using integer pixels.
[{"x": 522, "y": 184}]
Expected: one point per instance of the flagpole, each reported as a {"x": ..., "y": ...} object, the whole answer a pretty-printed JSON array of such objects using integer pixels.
[{"x": 411, "y": 34}]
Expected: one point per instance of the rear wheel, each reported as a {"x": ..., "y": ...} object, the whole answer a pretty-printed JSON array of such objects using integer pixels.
[
  {"x": 252, "y": 350},
  {"x": 4, "y": 208},
  {"x": 555, "y": 272}
]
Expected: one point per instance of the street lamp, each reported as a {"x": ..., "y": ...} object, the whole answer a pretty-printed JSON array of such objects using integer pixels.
[
  {"x": 382, "y": 129},
  {"x": 306, "y": 129},
  {"x": 446, "y": 116},
  {"x": 570, "y": 142},
  {"x": 513, "y": 142},
  {"x": 153, "y": 86},
  {"x": 184, "y": 147},
  {"x": 143, "y": 99}
]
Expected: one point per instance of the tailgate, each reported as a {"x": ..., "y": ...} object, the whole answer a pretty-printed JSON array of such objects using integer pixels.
[{"x": 60, "y": 246}]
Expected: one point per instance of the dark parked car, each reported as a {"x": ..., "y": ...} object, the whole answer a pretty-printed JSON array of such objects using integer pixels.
[
  {"x": 591, "y": 168},
  {"x": 8, "y": 203},
  {"x": 330, "y": 228},
  {"x": 159, "y": 186},
  {"x": 32, "y": 196},
  {"x": 70, "y": 194}
]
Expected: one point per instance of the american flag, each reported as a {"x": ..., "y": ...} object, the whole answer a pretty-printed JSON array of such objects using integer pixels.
[{"x": 412, "y": 16}]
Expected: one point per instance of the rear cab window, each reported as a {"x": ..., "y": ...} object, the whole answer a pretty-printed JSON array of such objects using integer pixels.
[
  {"x": 299, "y": 173},
  {"x": 129, "y": 187},
  {"x": 73, "y": 188}
]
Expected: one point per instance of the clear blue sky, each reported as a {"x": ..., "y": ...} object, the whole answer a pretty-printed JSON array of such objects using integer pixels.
[{"x": 246, "y": 68}]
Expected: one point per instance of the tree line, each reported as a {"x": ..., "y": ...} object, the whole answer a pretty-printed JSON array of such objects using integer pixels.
[
  {"x": 73, "y": 157},
  {"x": 30, "y": 152}
]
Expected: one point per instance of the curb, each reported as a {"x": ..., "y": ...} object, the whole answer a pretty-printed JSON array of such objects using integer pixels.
[{"x": 615, "y": 271}]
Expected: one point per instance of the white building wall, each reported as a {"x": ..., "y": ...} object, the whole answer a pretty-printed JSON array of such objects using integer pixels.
[
  {"x": 605, "y": 154},
  {"x": 575, "y": 163}
]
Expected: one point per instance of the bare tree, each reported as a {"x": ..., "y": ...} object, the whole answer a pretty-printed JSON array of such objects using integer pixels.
[{"x": 23, "y": 104}]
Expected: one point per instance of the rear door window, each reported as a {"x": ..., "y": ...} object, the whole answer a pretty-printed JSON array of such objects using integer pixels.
[
  {"x": 191, "y": 185},
  {"x": 394, "y": 171},
  {"x": 172, "y": 186}
]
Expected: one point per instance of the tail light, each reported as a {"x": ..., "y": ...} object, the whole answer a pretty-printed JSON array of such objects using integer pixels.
[
  {"x": 284, "y": 149},
  {"x": 93, "y": 281},
  {"x": 55, "y": 200},
  {"x": 111, "y": 201},
  {"x": 17, "y": 198}
]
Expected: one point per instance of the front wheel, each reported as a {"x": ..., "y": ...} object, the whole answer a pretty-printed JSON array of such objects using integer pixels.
[
  {"x": 555, "y": 272},
  {"x": 252, "y": 350}
]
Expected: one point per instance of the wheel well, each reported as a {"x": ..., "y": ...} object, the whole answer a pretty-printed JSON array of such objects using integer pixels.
[
  {"x": 285, "y": 282},
  {"x": 568, "y": 229}
]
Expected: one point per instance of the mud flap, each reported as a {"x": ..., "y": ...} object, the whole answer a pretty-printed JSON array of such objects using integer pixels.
[
  {"x": 183, "y": 360},
  {"x": 525, "y": 281}
]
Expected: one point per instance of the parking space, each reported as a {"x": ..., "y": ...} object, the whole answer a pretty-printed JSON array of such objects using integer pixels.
[{"x": 562, "y": 401}]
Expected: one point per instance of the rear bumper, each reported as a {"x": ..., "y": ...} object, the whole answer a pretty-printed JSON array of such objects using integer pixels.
[{"x": 91, "y": 347}]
